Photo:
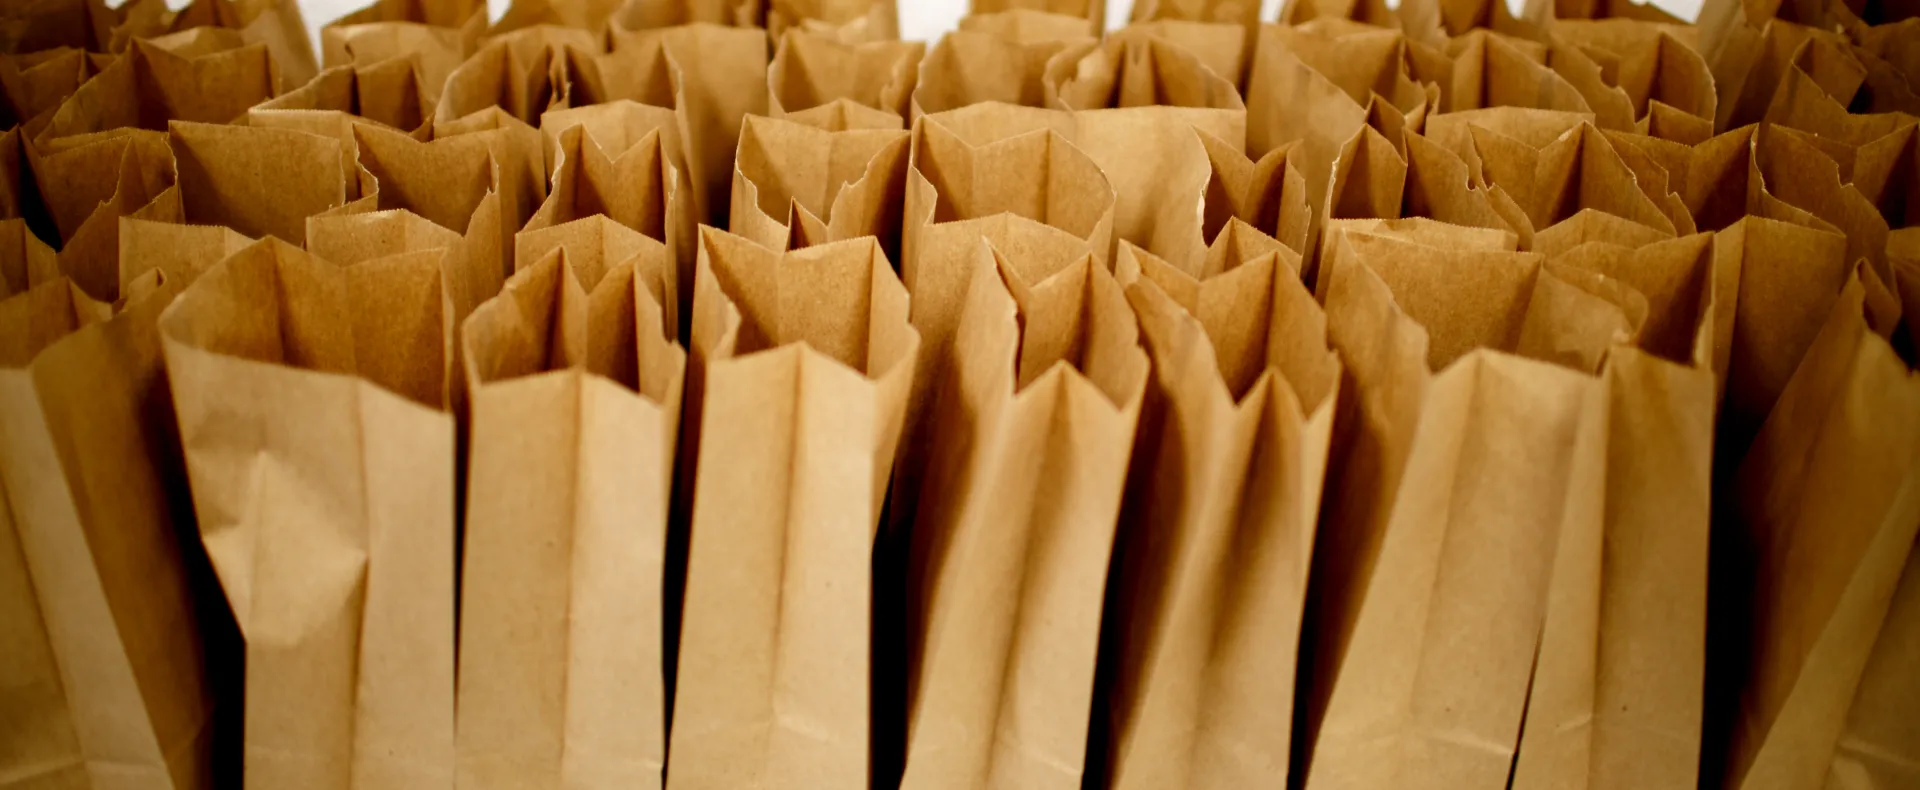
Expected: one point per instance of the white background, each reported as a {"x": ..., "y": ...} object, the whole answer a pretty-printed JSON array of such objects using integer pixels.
[{"x": 919, "y": 19}]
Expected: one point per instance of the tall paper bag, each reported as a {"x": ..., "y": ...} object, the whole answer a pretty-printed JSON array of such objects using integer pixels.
[
  {"x": 576, "y": 397},
  {"x": 795, "y": 186},
  {"x": 88, "y": 459},
  {"x": 1452, "y": 474},
  {"x": 821, "y": 82},
  {"x": 721, "y": 77},
  {"x": 1218, "y": 531},
  {"x": 337, "y": 557},
  {"x": 805, "y": 359},
  {"x": 638, "y": 187},
  {"x": 1616, "y": 699},
  {"x": 969, "y": 67},
  {"x": 1029, "y": 26},
  {"x": 25, "y": 260},
  {"x": 1031, "y": 437},
  {"x": 1092, "y": 12},
  {"x": 1136, "y": 102},
  {"x": 1841, "y": 450},
  {"x": 222, "y": 179},
  {"x": 1877, "y": 749}
]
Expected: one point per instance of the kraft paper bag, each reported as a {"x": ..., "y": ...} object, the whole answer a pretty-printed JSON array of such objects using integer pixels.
[
  {"x": 1787, "y": 167},
  {"x": 1468, "y": 373},
  {"x": 575, "y": 404},
  {"x": 149, "y": 86},
  {"x": 958, "y": 193},
  {"x": 88, "y": 460},
  {"x": 453, "y": 14},
  {"x": 1818, "y": 596},
  {"x": 136, "y": 179},
  {"x": 1224, "y": 47},
  {"x": 1032, "y": 433},
  {"x": 14, "y": 194},
  {"x": 636, "y": 15},
  {"x": 1237, "y": 12},
  {"x": 1217, "y": 539},
  {"x": 25, "y": 260},
  {"x": 1540, "y": 158},
  {"x": 805, "y": 360},
  {"x": 180, "y": 252},
  {"x": 968, "y": 67},
  {"x": 1341, "y": 83},
  {"x": 1372, "y": 181},
  {"x": 274, "y": 24},
  {"x": 511, "y": 73},
  {"x": 638, "y": 187},
  {"x": 221, "y": 177},
  {"x": 1491, "y": 70},
  {"x": 1029, "y": 26},
  {"x": 591, "y": 17},
  {"x": 33, "y": 83},
  {"x": 1136, "y": 103},
  {"x": 796, "y": 186},
  {"x": 394, "y": 92},
  {"x": 1616, "y": 699},
  {"x": 462, "y": 183},
  {"x": 1092, "y": 12},
  {"x": 46, "y": 24},
  {"x": 1268, "y": 195},
  {"x": 1877, "y": 747},
  {"x": 815, "y": 80},
  {"x": 722, "y": 78},
  {"x": 42, "y": 747},
  {"x": 1749, "y": 55},
  {"x": 338, "y": 558},
  {"x": 849, "y": 21},
  {"x": 1374, "y": 13},
  {"x": 435, "y": 51},
  {"x": 1665, "y": 78},
  {"x": 1542, "y": 12}
]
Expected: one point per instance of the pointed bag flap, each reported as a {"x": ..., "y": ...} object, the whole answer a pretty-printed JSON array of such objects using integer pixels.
[
  {"x": 795, "y": 182},
  {"x": 809, "y": 70}
]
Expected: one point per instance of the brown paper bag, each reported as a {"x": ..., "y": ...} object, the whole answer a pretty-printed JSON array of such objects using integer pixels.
[
  {"x": 1224, "y": 47},
  {"x": 562, "y": 678},
  {"x": 1488, "y": 440},
  {"x": 25, "y": 260},
  {"x": 1136, "y": 103},
  {"x": 722, "y": 78},
  {"x": 1031, "y": 435},
  {"x": 1666, "y": 79},
  {"x": 338, "y": 557},
  {"x": 1372, "y": 181},
  {"x": 1616, "y": 699},
  {"x": 395, "y": 92},
  {"x": 1877, "y": 747},
  {"x": 1818, "y": 596},
  {"x": 1093, "y": 12},
  {"x": 805, "y": 359},
  {"x": 466, "y": 183},
  {"x": 1237, "y": 12},
  {"x": 1319, "y": 89},
  {"x": 1218, "y": 534},
  {"x": 180, "y": 252},
  {"x": 967, "y": 68},
  {"x": 1268, "y": 195},
  {"x": 95, "y": 185},
  {"x": 1374, "y": 13},
  {"x": 796, "y": 186},
  {"x": 149, "y": 86},
  {"x": 958, "y": 193},
  {"x": 1542, "y": 12},
  {"x": 1492, "y": 70},
  {"x": 814, "y": 80},
  {"x": 221, "y": 177},
  {"x": 1029, "y": 26},
  {"x": 46, "y": 24},
  {"x": 87, "y": 460},
  {"x": 651, "y": 14},
  {"x": 637, "y": 186},
  {"x": 849, "y": 21},
  {"x": 274, "y": 24},
  {"x": 34, "y": 83},
  {"x": 513, "y": 73},
  {"x": 435, "y": 51}
]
